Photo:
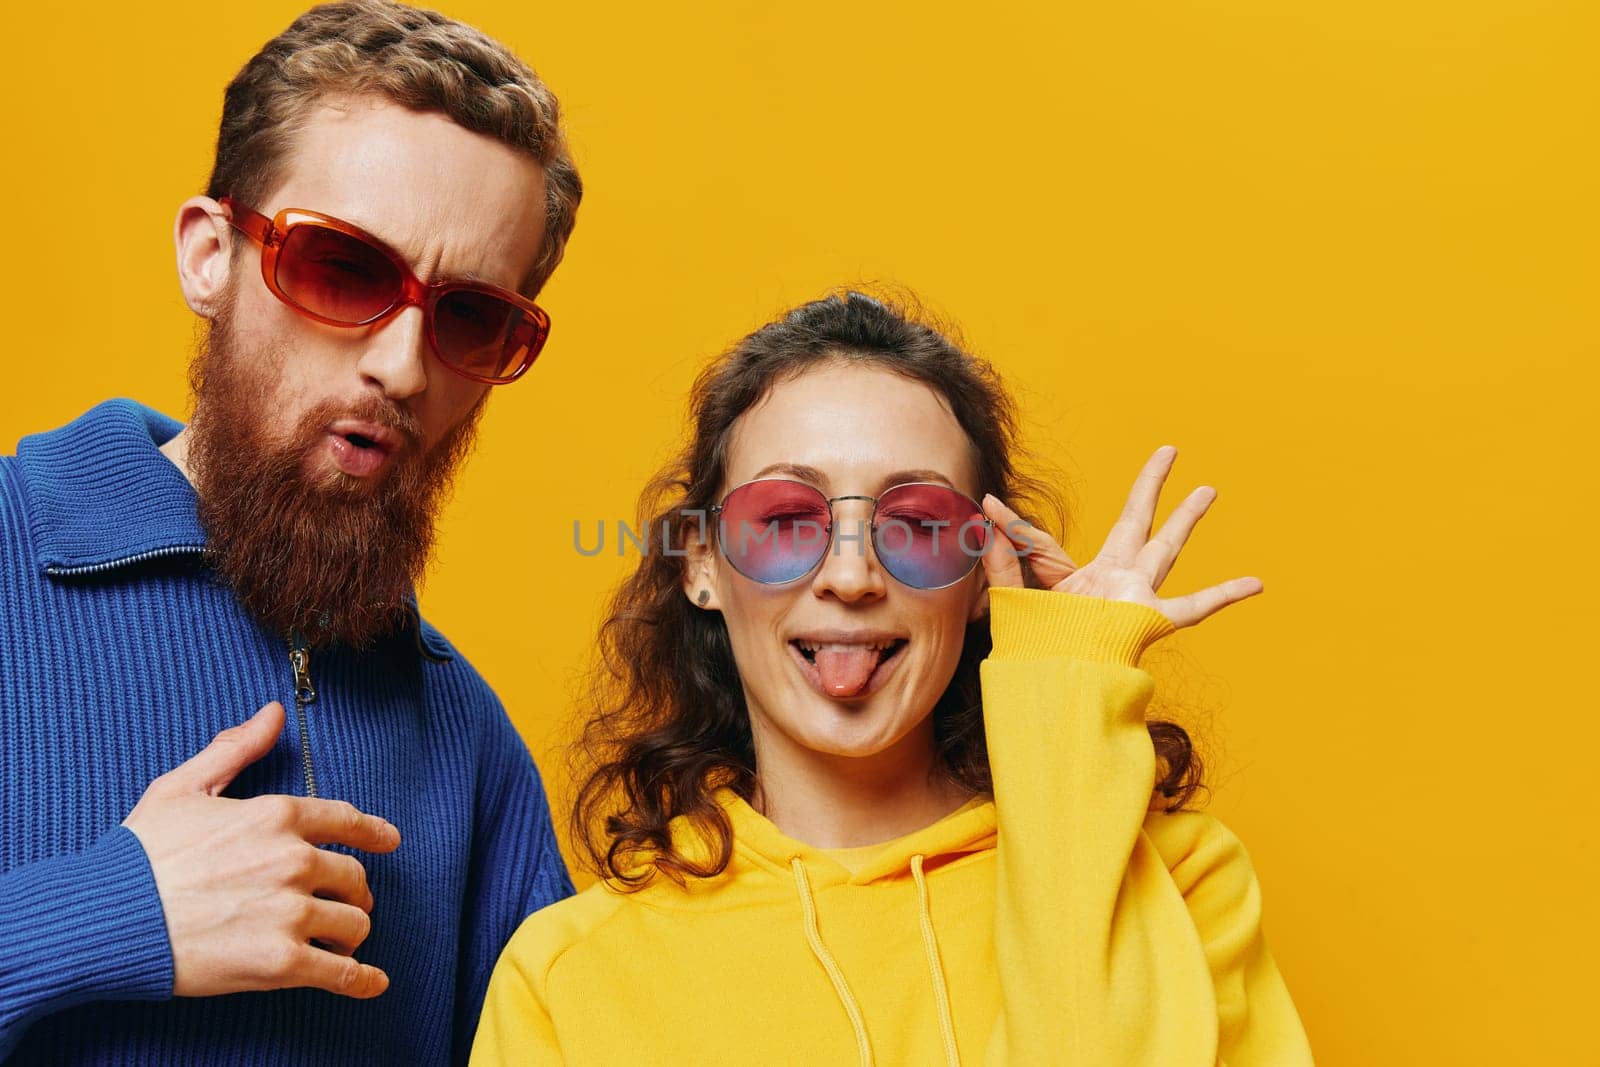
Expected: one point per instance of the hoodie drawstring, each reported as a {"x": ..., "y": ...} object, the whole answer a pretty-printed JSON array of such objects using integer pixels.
[
  {"x": 930, "y": 945},
  {"x": 824, "y": 957}
]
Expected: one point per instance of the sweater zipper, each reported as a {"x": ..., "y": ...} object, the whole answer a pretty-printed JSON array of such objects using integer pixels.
[
  {"x": 57, "y": 570},
  {"x": 304, "y": 693},
  {"x": 299, "y": 655}
]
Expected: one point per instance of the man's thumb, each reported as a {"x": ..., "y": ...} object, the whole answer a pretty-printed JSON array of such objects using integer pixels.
[{"x": 231, "y": 751}]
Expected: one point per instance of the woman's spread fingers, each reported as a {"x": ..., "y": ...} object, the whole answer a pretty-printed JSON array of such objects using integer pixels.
[
  {"x": 1157, "y": 557},
  {"x": 1132, "y": 528},
  {"x": 1188, "y": 610}
]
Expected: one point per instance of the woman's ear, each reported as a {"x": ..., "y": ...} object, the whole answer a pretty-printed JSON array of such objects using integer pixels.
[
  {"x": 204, "y": 241},
  {"x": 980, "y": 591},
  {"x": 980, "y": 597},
  {"x": 700, "y": 573}
]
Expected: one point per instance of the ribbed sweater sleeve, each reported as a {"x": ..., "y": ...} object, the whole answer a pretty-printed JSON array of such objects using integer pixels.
[
  {"x": 516, "y": 869},
  {"x": 80, "y": 927},
  {"x": 1105, "y": 956}
]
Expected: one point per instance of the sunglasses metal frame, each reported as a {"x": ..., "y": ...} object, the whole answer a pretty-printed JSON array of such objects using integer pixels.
[
  {"x": 270, "y": 234},
  {"x": 827, "y": 545}
]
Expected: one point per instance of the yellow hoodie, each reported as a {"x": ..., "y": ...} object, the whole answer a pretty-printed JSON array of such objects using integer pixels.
[{"x": 1060, "y": 922}]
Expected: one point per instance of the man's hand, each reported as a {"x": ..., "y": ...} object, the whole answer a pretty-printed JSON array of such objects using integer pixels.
[{"x": 245, "y": 888}]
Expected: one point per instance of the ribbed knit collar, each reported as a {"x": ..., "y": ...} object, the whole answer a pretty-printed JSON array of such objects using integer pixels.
[
  {"x": 102, "y": 493},
  {"x": 103, "y": 496}
]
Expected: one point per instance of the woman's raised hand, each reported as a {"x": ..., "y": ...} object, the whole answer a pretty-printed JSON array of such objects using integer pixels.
[{"x": 1131, "y": 565}]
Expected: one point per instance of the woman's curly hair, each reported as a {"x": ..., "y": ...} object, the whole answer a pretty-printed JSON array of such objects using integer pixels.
[{"x": 665, "y": 721}]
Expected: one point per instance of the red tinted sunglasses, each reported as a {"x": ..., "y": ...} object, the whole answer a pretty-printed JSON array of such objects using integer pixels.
[
  {"x": 776, "y": 530},
  {"x": 336, "y": 273}
]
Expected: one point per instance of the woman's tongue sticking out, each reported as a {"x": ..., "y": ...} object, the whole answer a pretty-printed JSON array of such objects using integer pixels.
[{"x": 846, "y": 668}]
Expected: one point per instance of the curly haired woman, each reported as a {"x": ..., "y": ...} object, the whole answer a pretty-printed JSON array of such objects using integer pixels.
[{"x": 873, "y": 777}]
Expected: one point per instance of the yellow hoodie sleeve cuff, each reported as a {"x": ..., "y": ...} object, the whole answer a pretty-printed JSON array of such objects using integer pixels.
[{"x": 1029, "y": 624}]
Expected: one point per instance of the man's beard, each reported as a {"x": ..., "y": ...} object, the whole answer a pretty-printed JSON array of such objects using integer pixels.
[{"x": 328, "y": 558}]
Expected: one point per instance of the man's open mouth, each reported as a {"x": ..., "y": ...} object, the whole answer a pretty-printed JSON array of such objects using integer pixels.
[
  {"x": 362, "y": 434},
  {"x": 362, "y": 449}
]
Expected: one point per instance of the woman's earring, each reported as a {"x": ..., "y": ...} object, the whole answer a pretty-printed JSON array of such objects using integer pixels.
[{"x": 705, "y": 595}]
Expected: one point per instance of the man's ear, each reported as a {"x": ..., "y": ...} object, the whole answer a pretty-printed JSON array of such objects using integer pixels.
[
  {"x": 204, "y": 241},
  {"x": 700, "y": 573}
]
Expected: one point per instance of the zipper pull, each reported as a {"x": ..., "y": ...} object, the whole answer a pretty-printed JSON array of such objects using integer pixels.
[
  {"x": 304, "y": 693},
  {"x": 300, "y": 660}
]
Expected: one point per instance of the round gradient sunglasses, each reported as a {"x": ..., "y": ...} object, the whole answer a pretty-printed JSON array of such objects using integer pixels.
[
  {"x": 776, "y": 530},
  {"x": 336, "y": 273}
]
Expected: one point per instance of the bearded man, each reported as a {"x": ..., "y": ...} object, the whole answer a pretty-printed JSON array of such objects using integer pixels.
[{"x": 185, "y": 878}]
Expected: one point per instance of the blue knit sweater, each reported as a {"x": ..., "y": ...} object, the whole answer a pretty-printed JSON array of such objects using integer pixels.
[{"x": 120, "y": 657}]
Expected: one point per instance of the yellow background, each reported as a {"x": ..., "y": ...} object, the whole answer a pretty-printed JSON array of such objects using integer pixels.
[{"x": 1342, "y": 253}]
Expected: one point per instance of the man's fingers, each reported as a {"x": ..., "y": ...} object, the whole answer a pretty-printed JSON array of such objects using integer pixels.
[
  {"x": 334, "y": 822},
  {"x": 338, "y": 877},
  {"x": 337, "y": 925},
  {"x": 231, "y": 751},
  {"x": 320, "y": 969}
]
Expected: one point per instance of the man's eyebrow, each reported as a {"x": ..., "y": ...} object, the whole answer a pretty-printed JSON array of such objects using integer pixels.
[
  {"x": 467, "y": 277},
  {"x": 476, "y": 279},
  {"x": 817, "y": 478}
]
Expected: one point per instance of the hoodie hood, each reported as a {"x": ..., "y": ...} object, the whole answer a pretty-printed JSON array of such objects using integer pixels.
[
  {"x": 763, "y": 855},
  {"x": 758, "y": 842}
]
